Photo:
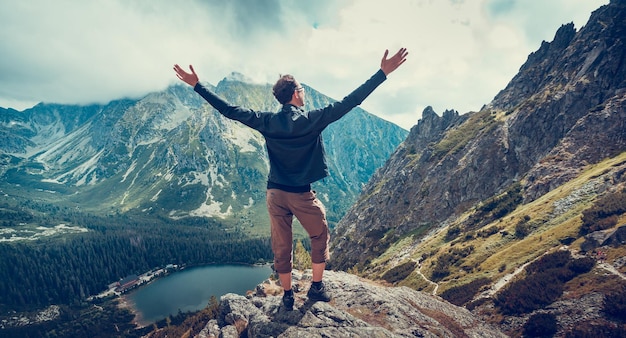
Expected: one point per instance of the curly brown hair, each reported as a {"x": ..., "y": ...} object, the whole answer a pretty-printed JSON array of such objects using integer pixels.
[{"x": 284, "y": 88}]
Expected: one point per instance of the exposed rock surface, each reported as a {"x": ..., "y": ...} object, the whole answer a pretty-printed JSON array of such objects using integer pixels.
[
  {"x": 563, "y": 111},
  {"x": 359, "y": 308}
]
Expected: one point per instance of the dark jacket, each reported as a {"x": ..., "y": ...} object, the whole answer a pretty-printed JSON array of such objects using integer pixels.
[{"x": 293, "y": 137}]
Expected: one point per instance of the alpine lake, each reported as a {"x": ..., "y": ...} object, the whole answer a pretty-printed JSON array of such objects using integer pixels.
[{"x": 191, "y": 289}]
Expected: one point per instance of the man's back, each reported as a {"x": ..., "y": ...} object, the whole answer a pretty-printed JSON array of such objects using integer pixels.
[{"x": 293, "y": 136}]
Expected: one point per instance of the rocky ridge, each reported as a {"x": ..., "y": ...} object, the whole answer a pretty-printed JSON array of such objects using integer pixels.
[
  {"x": 359, "y": 308},
  {"x": 563, "y": 112},
  {"x": 471, "y": 199}
]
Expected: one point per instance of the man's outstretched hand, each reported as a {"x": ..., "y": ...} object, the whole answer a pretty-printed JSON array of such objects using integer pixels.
[
  {"x": 386, "y": 65},
  {"x": 189, "y": 78},
  {"x": 391, "y": 64}
]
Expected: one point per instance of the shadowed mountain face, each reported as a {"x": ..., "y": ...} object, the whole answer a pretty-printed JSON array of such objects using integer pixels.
[
  {"x": 170, "y": 154},
  {"x": 507, "y": 210},
  {"x": 562, "y": 112}
]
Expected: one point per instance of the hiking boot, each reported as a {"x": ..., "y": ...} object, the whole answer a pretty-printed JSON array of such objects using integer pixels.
[
  {"x": 318, "y": 293},
  {"x": 288, "y": 301}
]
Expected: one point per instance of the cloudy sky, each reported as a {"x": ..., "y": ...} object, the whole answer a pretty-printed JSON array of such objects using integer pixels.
[{"x": 462, "y": 52}]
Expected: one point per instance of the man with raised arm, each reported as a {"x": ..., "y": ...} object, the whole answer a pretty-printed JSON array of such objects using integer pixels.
[{"x": 296, "y": 155}]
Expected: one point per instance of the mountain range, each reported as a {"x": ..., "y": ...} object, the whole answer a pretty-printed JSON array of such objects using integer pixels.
[{"x": 170, "y": 154}]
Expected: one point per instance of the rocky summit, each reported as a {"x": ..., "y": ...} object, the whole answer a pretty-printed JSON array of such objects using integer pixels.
[
  {"x": 359, "y": 308},
  {"x": 507, "y": 198}
]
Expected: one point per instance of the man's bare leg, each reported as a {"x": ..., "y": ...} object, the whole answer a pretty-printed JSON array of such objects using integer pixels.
[
  {"x": 318, "y": 271},
  {"x": 317, "y": 291},
  {"x": 285, "y": 280},
  {"x": 318, "y": 274}
]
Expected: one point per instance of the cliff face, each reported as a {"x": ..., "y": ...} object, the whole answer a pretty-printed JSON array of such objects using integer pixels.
[
  {"x": 562, "y": 112},
  {"x": 567, "y": 101},
  {"x": 360, "y": 308}
]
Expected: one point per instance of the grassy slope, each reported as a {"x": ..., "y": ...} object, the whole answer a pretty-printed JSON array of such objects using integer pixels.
[{"x": 502, "y": 253}]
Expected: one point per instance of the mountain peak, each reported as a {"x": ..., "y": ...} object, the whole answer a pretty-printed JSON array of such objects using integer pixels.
[
  {"x": 431, "y": 127},
  {"x": 237, "y": 77},
  {"x": 464, "y": 192}
]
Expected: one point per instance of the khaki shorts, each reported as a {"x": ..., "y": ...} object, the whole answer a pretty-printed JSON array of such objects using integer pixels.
[{"x": 309, "y": 210}]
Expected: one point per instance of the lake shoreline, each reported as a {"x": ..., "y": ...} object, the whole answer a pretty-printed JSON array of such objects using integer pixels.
[{"x": 126, "y": 301}]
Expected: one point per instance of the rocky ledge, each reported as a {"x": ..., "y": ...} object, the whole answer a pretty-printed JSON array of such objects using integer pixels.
[{"x": 359, "y": 308}]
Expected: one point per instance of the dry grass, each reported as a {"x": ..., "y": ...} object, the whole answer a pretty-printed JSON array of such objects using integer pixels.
[
  {"x": 417, "y": 282},
  {"x": 500, "y": 254},
  {"x": 597, "y": 280}
]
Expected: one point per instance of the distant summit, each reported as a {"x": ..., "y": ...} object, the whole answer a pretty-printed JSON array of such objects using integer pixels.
[
  {"x": 235, "y": 76},
  {"x": 169, "y": 154}
]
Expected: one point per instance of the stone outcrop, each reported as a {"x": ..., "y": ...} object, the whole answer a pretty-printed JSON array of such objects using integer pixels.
[{"x": 359, "y": 308}]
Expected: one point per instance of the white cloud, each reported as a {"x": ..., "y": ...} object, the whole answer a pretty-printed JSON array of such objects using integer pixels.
[{"x": 461, "y": 52}]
